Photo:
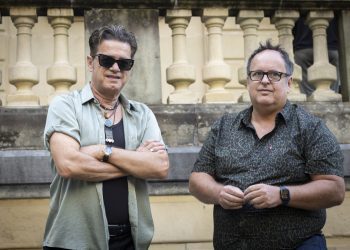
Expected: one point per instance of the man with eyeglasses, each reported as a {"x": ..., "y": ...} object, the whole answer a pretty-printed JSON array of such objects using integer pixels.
[
  {"x": 272, "y": 169},
  {"x": 103, "y": 148}
]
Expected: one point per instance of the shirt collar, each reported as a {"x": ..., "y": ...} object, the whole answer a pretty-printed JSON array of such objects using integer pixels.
[
  {"x": 87, "y": 96},
  {"x": 284, "y": 115}
]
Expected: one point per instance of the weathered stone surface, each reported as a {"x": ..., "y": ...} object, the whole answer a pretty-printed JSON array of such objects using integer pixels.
[
  {"x": 161, "y": 4},
  {"x": 22, "y": 128},
  {"x": 145, "y": 76},
  {"x": 181, "y": 124},
  {"x": 191, "y": 223},
  {"x": 24, "y": 163}
]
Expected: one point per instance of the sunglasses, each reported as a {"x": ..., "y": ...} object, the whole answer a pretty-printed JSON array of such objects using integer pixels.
[{"x": 108, "y": 61}]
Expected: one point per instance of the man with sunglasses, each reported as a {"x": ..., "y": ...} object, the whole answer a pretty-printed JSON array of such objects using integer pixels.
[
  {"x": 103, "y": 148},
  {"x": 272, "y": 169}
]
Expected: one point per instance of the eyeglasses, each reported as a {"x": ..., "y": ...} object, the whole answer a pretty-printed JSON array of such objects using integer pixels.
[
  {"x": 273, "y": 76},
  {"x": 108, "y": 61}
]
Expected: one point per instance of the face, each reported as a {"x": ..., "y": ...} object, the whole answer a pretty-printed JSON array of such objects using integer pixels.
[
  {"x": 109, "y": 81},
  {"x": 265, "y": 92}
]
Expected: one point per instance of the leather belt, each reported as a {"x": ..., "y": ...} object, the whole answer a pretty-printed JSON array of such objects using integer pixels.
[{"x": 118, "y": 230}]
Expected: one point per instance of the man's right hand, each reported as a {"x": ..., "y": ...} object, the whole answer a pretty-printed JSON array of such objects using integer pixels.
[{"x": 231, "y": 197}]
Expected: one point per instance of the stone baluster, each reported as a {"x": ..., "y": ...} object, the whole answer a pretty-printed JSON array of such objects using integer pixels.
[
  {"x": 0, "y": 70},
  {"x": 249, "y": 21},
  {"x": 216, "y": 73},
  {"x": 284, "y": 21},
  {"x": 344, "y": 53},
  {"x": 180, "y": 73},
  {"x": 0, "y": 85},
  {"x": 23, "y": 75},
  {"x": 61, "y": 75},
  {"x": 321, "y": 74}
]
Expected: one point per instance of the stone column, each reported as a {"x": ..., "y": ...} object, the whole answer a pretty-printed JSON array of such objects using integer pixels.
[
  {"x": 180, "y": 74},
  {"x": 144, "y": 84},
  {"x": 61, "y": 75},
  {"x": 284, "y": 21},
  {"x": 0, "y": 85},
  {"x": 321, "y": 73},
  {"x": 0, "y": 70},
  {"x": 249, "y": 21},
  {"x": 23, "y": 75},
  {"x": 344, "y": 53},
  {"x": 216, "y": 73}
]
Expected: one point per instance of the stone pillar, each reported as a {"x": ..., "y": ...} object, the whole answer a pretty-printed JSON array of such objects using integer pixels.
[
  {"x": 23, "y": 75},
  {"x": 216, "y": 73},
  {"x": 344, "y": 54},
  {"x": 61, "y": 75},
  {"x": 180, "y": 74},
  {"x": 144, "y": 84},
  {"x": 284, "y": 21},
  {"x": 321, "y": 74},
  {"x": 249, "y": 21},
  {"x": 0, "y": 85},
  {"x": 0, "y": 70}
]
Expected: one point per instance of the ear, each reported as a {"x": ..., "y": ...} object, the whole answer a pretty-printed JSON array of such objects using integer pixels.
[{"x": 90, "y": 63}]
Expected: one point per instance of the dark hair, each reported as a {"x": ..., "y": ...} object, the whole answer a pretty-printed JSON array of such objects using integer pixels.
[
  {"x": 268, "y": 46},
  {"x": 112, "y": 32}
]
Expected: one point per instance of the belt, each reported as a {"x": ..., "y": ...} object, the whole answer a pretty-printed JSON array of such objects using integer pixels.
[{"x": 118, "y": 230}]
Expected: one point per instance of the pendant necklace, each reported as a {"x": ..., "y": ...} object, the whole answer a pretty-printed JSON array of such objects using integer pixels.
[
  {"x": 109, "y": 138},
  {"x": 108, "y": 122}
]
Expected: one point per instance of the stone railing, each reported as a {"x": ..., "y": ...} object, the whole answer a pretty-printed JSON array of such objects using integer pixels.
[
  {"x": 183, "y": 74},
  {"x": 189, "y": 69}
]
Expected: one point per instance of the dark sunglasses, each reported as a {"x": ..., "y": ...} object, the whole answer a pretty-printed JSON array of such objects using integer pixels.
[{"x": 108, "y": 61}]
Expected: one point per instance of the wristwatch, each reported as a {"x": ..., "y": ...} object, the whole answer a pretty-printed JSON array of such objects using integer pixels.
[
  {"x": 284, "y": 194},
  {"x": 107, "y": 152}
]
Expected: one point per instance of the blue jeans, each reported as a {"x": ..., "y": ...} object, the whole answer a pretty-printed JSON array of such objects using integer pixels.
[{"x": 316, "y": 242}]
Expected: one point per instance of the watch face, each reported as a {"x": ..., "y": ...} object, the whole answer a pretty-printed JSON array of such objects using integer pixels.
[
  {"x": 108, "y": 150},
  {"x": 284, "y": 194}
]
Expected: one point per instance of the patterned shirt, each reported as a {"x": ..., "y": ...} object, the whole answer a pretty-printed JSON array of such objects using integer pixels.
[{"x": 300, "y": 145}]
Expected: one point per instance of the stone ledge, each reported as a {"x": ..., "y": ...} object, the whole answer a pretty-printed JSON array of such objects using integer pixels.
[
  {"x": 160, "y": 4},
  {"x": 182, "y": 125},
  {"x": 27, "y": 173},
  {"x": 36, "y": 190},
  {"x": 33, "y": 166}
]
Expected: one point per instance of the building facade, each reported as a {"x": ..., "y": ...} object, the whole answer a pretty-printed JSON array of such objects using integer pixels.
[{"x": 190, "y": 69}]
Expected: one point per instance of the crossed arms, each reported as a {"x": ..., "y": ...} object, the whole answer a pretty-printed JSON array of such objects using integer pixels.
[{"x": 84, "y": 163}]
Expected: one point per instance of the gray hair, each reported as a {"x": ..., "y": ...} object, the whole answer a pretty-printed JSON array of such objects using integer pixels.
[
  {"x": 112, "y": 32},
  {"x": 268, "y": 46}
]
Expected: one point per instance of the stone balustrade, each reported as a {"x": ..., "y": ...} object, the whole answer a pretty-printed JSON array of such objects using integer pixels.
[
  {"x": 190, "y": 69},
  {"x": 196, "y": 61}
]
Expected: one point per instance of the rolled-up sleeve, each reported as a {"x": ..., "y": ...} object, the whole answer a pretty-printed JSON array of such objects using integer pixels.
[
  {"x": 61, "y": 117},
  {"x": 152, "y": 130}
]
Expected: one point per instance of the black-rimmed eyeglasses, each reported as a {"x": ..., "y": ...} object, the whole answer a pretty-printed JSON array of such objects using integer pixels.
[
  {"x": 108, "y": 61},
  {"x": 273, "y": 76}
]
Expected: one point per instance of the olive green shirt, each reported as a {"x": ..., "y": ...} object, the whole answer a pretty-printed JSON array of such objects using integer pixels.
[{"x": 77, "y": 218}]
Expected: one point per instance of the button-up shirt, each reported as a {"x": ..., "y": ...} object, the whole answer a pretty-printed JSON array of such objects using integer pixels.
[
  {"x": 77, "y": 218},
  {"x": 300, "y": 145}
]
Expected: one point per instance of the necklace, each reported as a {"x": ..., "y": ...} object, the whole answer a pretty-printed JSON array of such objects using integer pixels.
[{"x": 106, "y": 110}]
